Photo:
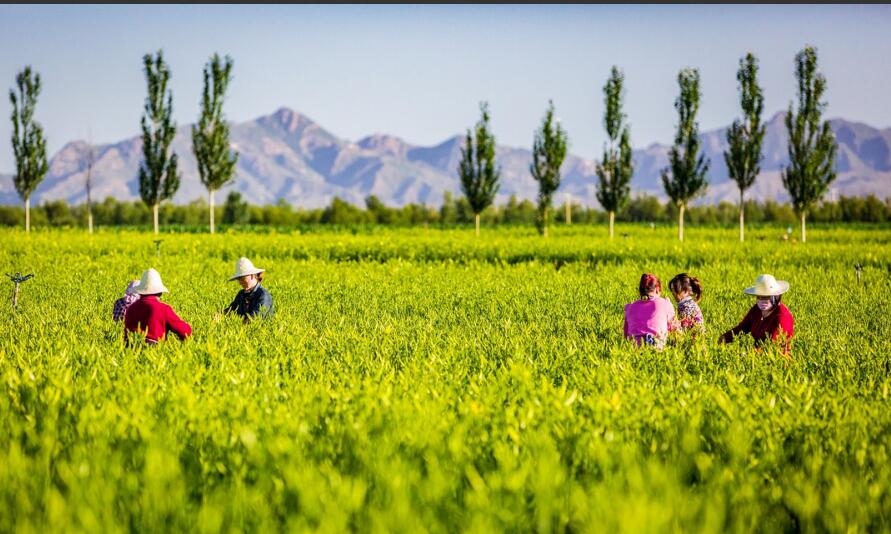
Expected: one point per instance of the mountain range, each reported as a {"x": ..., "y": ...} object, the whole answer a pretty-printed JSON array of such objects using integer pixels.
[{"x": 287, "y": 155}]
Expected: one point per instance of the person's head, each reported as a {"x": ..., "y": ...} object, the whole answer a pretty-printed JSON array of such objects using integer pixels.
[
  {"x": 250, "y": 281},
  {"x": 150, "y": 284},
  {"x": 768, "y": 302},
  {"x": 650, "y": 286},
  {"x": 684, "y": 285},
  {"x": 131, "y": 288},
  {"x": 768, "y": 292},
  {"x": 247, "y": 274}
]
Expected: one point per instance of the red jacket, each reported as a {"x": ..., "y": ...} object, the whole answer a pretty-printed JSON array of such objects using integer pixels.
[
  {"x": 155, "y": 318},
  {"x": 762, "y": 328}
]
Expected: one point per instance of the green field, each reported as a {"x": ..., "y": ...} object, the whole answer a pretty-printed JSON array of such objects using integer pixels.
[{"x": 426, "y": 380}]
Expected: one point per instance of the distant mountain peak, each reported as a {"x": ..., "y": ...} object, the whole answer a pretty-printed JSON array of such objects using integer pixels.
[
  {"x": 290, "y": 120},
  {"x": 381, "y": 143}
]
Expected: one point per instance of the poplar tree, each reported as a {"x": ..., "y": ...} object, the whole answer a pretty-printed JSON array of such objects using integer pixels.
[
  {"x": 745, "y": 136},
  {"x": 615, "y": 169},
  {"x": 685, "y": 177},
  {"x": 477, "y": 170},
  {"x": 548, "y": 152},
  {"x": 210, "y": 136},
  {"x": 28, "y": 142},
  {"x": 812, "y": 146},
  {"x": 158, "y": 176}
]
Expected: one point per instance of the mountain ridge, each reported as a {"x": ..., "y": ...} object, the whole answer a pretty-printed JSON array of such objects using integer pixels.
[{"x": 287, "y": 155}]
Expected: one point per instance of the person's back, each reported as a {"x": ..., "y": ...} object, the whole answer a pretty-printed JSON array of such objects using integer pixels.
[{"x": 650, "y": 317}]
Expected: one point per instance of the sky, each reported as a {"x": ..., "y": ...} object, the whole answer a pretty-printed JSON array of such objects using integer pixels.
[{"x": 420, "y": 72}]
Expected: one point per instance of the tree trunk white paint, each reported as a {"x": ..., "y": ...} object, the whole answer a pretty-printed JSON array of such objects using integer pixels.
[
  {"x": 90, "y": 221},
  {"x": 612, "y": 220},
  {"x": 210, "y": 194},
  {"x": 681, "y": 223},
  {"x": 155, "y": 217},
  {"x": 742, "y": 225},
  {"x": 28, "y": 214},
  {"x": 803, "y": 227},
  {"x": 477, "y": 219}
]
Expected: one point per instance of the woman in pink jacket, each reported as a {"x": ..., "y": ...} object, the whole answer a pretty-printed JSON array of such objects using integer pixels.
[{"x": 650, "y": 319}]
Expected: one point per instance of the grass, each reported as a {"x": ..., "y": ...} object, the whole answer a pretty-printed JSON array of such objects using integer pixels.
[{"x": 427, "y": 380}]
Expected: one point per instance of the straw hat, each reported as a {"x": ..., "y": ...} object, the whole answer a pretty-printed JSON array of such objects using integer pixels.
[
  {"x": 151, "y": 283},
  {"x": 767, "y": 286},
  {"x": 244, "y": 267}
]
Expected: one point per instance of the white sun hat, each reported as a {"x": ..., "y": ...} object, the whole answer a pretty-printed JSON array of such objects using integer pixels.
[
  {"x": 767, "y": 286},
  {"x": 244, "y": 267},
  {"x": 150, "y": 283}
]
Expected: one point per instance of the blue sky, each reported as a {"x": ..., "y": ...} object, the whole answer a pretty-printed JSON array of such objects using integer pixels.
[{"x": 419, "y": 72}]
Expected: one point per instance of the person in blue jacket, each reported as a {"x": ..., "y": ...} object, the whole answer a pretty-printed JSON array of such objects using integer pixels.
[{"x": 253, "y": 300}]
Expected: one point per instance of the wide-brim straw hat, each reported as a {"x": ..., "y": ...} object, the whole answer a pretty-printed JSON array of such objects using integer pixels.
[
  {"x": 244, "y": 267},
  {"x": 150, "y": 283},
  {"x": 767, "y": 286}
]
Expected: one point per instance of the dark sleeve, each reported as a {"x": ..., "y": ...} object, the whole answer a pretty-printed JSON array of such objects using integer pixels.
[
  {"x": 744, "y": 326},
  {"x": 234, "y": 305}
]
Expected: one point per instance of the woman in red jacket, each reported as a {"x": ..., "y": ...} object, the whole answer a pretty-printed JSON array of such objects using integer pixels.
[
  {"x": 769, "y": 319},
  {"x": 150, "y": 316}
]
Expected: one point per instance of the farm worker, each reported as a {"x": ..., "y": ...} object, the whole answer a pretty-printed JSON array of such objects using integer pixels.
[
  {"x": 649, "y": 319},
  {"x": 150, "y": 316},
  {"x": 687, "y": 292},
  {"x": 253, "y": 300},
  {"x": 768, "y": 318},
  {"x": 121, "y": 305}
]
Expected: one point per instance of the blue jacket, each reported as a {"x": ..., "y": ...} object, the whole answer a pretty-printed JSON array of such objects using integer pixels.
[{"x": 254, "y": 303}]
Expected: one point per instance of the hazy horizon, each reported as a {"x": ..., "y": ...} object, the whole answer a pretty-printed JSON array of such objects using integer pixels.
[{"x": 419, "y": 72}]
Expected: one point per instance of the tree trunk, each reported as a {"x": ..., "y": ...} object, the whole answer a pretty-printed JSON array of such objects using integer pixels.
[
  {"x": 568, "y": 211},
  {"x": 681, "y": 222},
  {"x": 90, "y": 220},
  {"x": 612, "y": 219},
  {"x": 155, "y": 217},
  {"x": 28, "y": 214},
  {"x": 544, "y": 223},
  {"x": 210, "y": 194},
  {"x": 803, "y": 230},
  {"x": 742, "y": 225},
  {"x": 477, "y": 219}
]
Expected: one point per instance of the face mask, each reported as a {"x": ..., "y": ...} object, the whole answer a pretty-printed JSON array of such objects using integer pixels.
[{"x": 765, "y": 305}]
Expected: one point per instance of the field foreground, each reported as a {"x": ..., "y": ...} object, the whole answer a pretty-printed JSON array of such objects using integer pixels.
[{"x": 427, "y": 380}]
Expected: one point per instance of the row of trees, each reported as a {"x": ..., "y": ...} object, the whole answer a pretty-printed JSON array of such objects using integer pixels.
[
  {"x": 811, "y": 169},
  {"x": 159, "y": 176},
  {"x": 640, "y": 209},
  {"x": 812, "y": 148}
]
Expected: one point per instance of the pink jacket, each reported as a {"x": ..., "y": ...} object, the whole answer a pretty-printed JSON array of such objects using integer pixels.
[{"x": 654, "y": 317}]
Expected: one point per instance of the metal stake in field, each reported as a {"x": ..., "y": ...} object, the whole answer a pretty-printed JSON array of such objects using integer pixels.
[
  {"x": 158, "y": 247},
  {"x": 17, "y": 279}
]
